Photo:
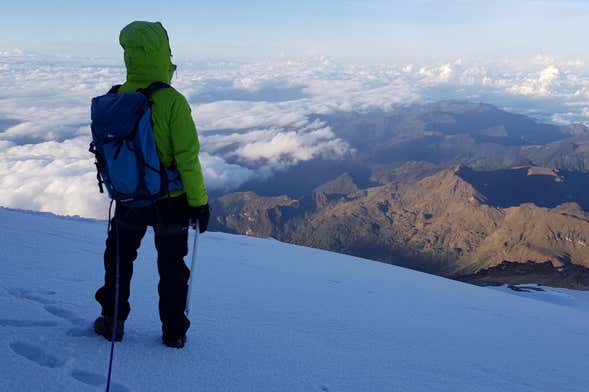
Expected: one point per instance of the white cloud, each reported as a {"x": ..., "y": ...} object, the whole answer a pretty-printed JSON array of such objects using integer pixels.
[
  {"x": 14, "y": 53},
  {"x": 244, "y": 115},
  {"x": 51, "y": 176},
  {"x": 436, "y": 74},
  {"x": 44, "y": 114},
  {"x": 275, "y": 147},
  {"x": 221, "y": 175},
  {"x": 290, "y": 147},
  {"x": 540, "y": 84}
]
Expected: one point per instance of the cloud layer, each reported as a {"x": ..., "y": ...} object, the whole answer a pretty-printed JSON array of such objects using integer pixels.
[{"x": 253, "y": 119}]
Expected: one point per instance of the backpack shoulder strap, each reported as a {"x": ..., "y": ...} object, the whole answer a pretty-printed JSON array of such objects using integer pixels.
[
  {"x": 114, "y": 89},
  {"x": 152, "y": 88}
]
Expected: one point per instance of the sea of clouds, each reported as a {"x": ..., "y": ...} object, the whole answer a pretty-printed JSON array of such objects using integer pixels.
[{"x": 253, "y": 119}]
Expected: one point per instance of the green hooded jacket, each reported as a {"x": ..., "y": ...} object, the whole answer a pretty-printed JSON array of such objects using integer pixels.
[{"x": 148, "y": 60}]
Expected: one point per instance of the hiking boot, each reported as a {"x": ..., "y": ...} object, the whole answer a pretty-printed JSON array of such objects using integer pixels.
[
  {"x": 103, "y": 327},
  {"x": 174, "y": 342}
]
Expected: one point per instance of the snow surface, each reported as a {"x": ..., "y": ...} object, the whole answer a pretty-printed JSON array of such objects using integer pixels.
[{"x": 268, "y": 316}]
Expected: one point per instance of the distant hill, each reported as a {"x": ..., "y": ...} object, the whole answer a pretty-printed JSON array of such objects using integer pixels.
[{"x": 446, "y": 132}]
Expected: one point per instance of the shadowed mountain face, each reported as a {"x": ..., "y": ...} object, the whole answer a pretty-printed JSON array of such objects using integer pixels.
[
  {"x": 540, "y": 186},
  {"x": 514, "y": 273}
]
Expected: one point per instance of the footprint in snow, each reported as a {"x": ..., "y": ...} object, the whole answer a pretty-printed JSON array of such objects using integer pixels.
[
  {"x": 65, "y": 314},
  {"x": 96, "y": 380},
  {"x": 35, "y": 296},
  {"x": 36, "y": 354},
  {"x": 48, "y": 304},
  {"x": 42, "y": 358}
]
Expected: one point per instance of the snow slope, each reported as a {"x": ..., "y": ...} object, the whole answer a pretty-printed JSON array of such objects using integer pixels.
[{"x": 274, "y": 317}]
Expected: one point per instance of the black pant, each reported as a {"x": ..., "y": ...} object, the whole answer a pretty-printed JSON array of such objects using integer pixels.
[{"x": 169, "y": 220}]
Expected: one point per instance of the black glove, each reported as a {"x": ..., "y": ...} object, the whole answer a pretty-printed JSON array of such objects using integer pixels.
[{"x": 200, "y": 214}]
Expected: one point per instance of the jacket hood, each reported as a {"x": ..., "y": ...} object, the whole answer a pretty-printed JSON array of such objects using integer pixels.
[{"x": 147, "y": 52}]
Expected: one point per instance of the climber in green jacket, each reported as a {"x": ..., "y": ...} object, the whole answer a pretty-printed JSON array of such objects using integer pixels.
[{"x": 148, "y": 59}]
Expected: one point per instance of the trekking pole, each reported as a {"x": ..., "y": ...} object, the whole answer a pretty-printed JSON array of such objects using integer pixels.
[
  {"x": 196, "y": 228},
  {"x": 117, "y": 289}
]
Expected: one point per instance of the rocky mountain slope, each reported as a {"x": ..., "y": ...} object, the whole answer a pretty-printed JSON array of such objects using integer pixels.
[{"x": 441, "y": 224}]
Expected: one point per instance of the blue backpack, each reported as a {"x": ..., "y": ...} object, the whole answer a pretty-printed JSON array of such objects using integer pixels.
[{"x": 123, "y": 143}]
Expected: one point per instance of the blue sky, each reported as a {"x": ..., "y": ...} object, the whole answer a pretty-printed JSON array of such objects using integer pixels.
[{"x": 355, "y": 30}]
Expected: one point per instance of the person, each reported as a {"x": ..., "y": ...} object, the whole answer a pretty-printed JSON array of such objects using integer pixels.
[{"x": 147, "y": 56}]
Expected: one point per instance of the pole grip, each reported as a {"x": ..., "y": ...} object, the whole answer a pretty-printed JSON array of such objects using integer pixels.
[{"x": 196, "y": 228}]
